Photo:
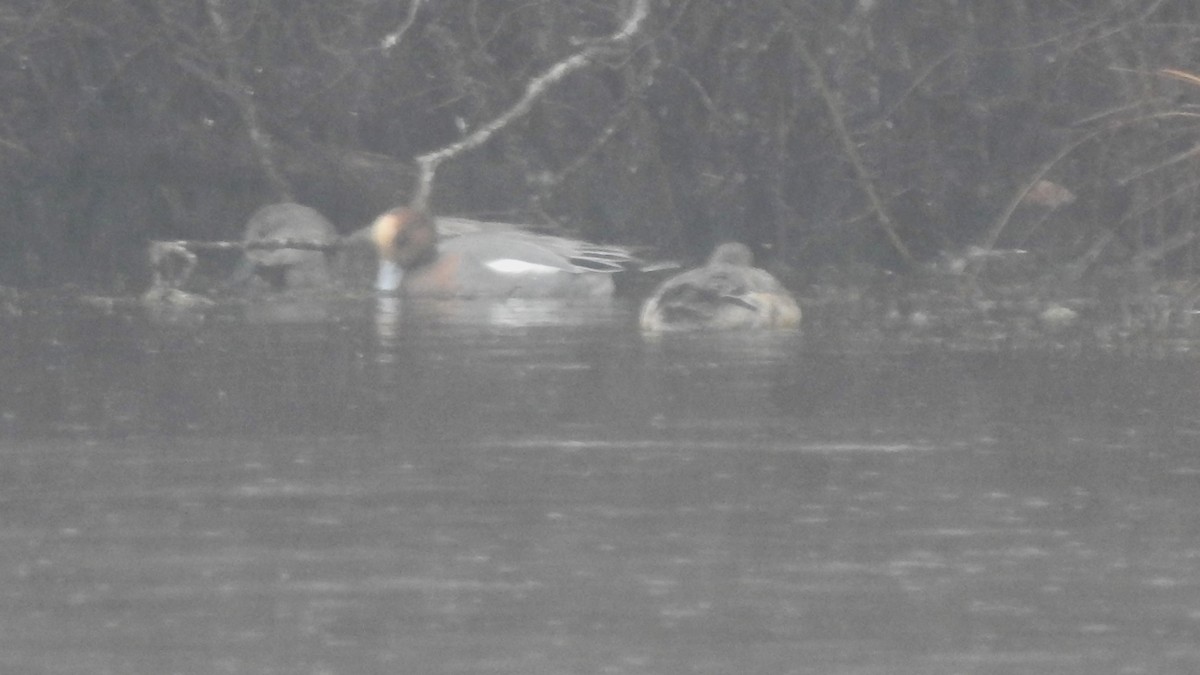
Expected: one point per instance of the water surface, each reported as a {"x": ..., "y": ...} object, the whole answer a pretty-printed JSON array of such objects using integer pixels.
[{"x": 360, "y": 487}]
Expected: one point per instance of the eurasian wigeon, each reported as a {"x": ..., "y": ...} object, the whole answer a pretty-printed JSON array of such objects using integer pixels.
[
  {"x": 728, "y": 292},
  {"x": 449, "y": 257},
  {"x": 288, "y": 267}
]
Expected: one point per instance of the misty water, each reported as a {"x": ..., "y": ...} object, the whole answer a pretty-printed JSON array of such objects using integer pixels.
[{"x": 353, "y": 486}]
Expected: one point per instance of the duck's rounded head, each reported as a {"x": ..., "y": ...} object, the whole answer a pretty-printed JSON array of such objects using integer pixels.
[
  {"x": 732, "y": 253},
  {"x": 287, "y": 267},
  {"x": 405, "y": 236}
]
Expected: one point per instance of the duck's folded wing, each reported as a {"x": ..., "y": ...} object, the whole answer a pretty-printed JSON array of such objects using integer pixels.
[
  {"x": 582, "y": 255},
  {"x": 450, "y": 227},
  {"x": 538, "y": 251}
]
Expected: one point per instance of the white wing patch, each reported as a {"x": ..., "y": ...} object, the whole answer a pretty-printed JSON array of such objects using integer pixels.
[{"x": 513, "y": 266}]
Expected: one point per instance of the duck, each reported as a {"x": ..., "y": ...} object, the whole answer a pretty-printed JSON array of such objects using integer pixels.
[
  {"x": 287, "y": 268},
  {"x": 727, "y": 293},
  {"x": 425, "y": 256}
]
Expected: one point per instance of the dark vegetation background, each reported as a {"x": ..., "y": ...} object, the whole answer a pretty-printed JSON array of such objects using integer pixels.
[{"x": 828, "y": 134}]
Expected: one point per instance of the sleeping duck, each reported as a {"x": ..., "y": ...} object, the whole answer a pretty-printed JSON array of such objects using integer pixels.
[{"x": 727, "y": 293}]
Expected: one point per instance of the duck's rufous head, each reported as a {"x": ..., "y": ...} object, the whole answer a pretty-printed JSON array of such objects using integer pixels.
[{"x": 404, "y": 238}]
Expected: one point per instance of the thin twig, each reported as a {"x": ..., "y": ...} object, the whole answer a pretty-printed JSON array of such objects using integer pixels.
[
  {"x": 255, "y": 245},
  {"x": 1152, "y": 255},
  {"x": 237, "y": 90},
  {"x": 993, "y": 233},
  {"x": 1001, "y": 222},
  {"x": 1142, "y": 172},
  {"x": 394, "y": 38},
  {"x": 865, "y": 182}
]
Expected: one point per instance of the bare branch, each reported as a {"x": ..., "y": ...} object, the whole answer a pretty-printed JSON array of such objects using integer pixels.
[
  {"x": 428, "y": 163},
  {"x": 998, "y": 226},
  {"x": 394, "y": 38}
]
